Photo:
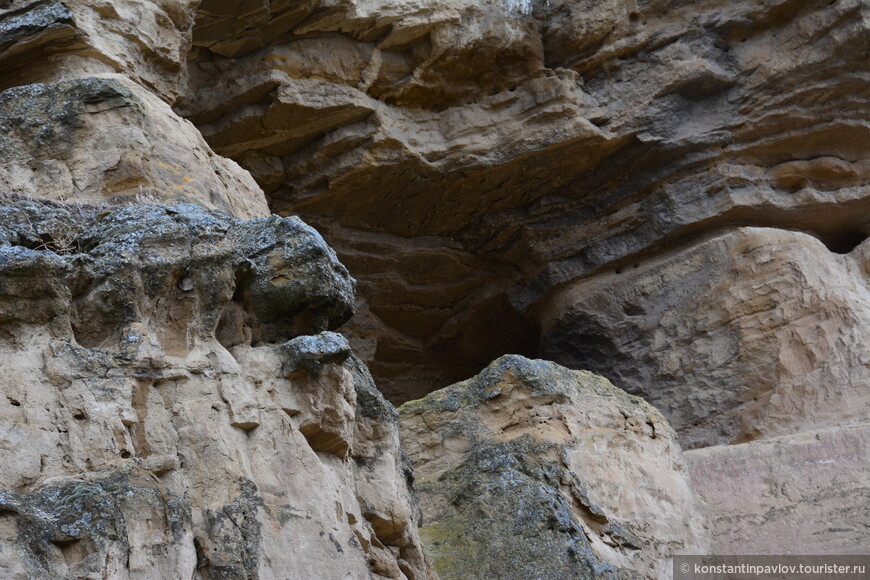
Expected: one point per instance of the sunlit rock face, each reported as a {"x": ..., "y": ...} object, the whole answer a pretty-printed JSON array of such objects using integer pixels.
[{"x": 174, "y": 406}]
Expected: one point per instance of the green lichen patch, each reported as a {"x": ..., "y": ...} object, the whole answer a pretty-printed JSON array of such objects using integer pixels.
[{"x": 94, "y": 513}]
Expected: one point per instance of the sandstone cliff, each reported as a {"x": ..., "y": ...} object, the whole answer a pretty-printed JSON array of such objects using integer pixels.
[
  {"x": 671, "y": 194},
  {"x": 173, "y": 409}
]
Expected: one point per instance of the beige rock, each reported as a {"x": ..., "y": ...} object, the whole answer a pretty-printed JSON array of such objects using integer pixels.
[
  {"x": 796, "y": 494},
  {"x": 44, "y": 41},
  {"x": 754, "y": 333},
  {"x": 533, "y": 470},
  {"x": 136, "y": 445},
  {"x": 98, "y": 139},
  {"x": 601, "y": 170}
]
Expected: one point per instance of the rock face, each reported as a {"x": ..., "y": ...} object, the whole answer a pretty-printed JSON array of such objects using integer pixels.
[
  {"x": 97, "y": 139},
  {"x": 788, "y": 495},
  {"x": 173, "y": 407},
  {"x": 523, "y": 145},
  {"x": 754, "y": 333},
  {"x": 533, "y": 470},
  {"x": 44, "y": 41},
  {"x": 671, "y": 194}
]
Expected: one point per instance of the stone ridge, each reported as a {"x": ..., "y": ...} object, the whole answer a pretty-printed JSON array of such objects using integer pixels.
[{"x": 155, "y": 416}]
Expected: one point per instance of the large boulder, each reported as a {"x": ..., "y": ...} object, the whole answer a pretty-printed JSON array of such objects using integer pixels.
[
  {"x": 754, "y": 333},
  {"x": 107, "y": 139},
  {"x": 531, "y": 470}
]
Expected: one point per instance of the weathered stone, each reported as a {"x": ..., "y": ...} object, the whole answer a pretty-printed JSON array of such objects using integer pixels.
[
  {"x": 99, "y": 139},
  {"x": 291, "y": 278},
  {"x": 488, "y": 170},
  {"x": 788, "y": 495},
  {"x": 311, "y": 353},
  {"x": 533, "y": 470},
  {"x": 45, "y": 41},
  {"x": 533, "y": 143},
  {"x": 754, "y": 333},
  {"x": 135, "y": 445},
  {"x": 120, "y": 524}
]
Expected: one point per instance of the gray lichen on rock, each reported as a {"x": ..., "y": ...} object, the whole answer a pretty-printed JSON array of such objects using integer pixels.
[
  {"x": 155, "y": 342},
  {"x": 523, "y": 472},
  {"x": 79, "y": 524}
]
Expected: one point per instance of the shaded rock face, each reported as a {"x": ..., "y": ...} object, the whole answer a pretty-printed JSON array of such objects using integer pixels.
[
  {"x": 525, "y": 145},
  {"x": 159, "y": 418},
  {"x": 754, "y": 333},
  {"x": 533, "y": 470}
]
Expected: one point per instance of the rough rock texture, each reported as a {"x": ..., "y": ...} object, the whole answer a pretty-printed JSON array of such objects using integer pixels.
[
  {"x": 753, "y": 333},
  {"x": 522, "y": 145},
  {"x": 50, "y": 40},
  {"x": 788, "y": 495},
  {"x": 160, "y": 418},
  {"x": 531, "y": 470},
  {"x": 669, "y": 193},
  {"x": 97, "y": 139},
  {"x": 672, "y": 193}
]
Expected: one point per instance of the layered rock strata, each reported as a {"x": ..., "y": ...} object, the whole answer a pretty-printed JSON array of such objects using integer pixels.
[
  {"x": 672, "y": 194},
  {"x": 533, "y": 470},
  {"x": 754, "y": 333},
  {"x": 174, "y": 407},
  {"x": 533, "y": 144},
  {"x": 639, "y": 188}
]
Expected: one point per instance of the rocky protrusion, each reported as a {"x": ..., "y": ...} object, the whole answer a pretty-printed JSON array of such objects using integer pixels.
[
  {"x": 52, "y": 40},
  {"x": 520, "y": 145},
  {"x": 135, "y": 444},
  {"x": 755, "y": 333},
  {"x": 311, "y": 353},
  {"x": 106, "y": 139},
  {"x": 121, "y": 523},
  {"x": 533, "y": 470}
]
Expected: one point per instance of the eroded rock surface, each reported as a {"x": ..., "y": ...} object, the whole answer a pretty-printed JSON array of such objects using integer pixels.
[
  {"x": 788, "y": 495},
  {"x": 45, "y": 41},
  {"x": 532, "y": 143},
  {"x": 154, "y": 422},
  {"x": 755, "y": 333},
  {"x": 671, "y": 193},
  {"x": 533, "y": 470},
  {"x": 99, "y": 139}
]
